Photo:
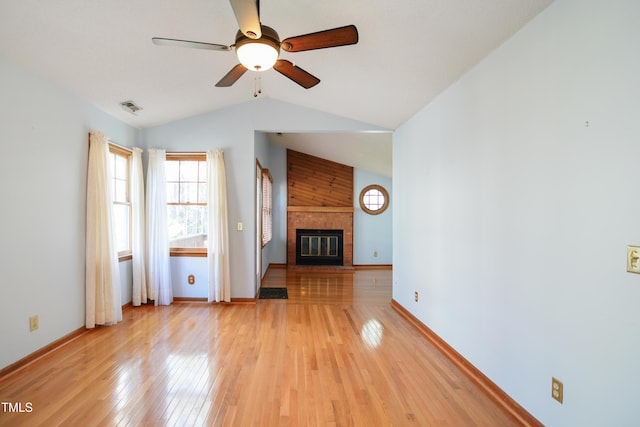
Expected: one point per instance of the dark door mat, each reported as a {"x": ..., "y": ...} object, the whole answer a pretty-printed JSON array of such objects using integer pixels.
[{"x": 273, "y": 293}]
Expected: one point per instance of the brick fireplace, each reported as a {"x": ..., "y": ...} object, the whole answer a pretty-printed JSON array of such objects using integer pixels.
[
  {"x": 319, "y": 197},
  {"x": 338, "y": 218}
]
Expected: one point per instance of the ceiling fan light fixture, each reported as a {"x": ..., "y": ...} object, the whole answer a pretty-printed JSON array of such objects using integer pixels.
[
  {"x": 257, "y": 56},
  {"x": 260, "y": 54}
]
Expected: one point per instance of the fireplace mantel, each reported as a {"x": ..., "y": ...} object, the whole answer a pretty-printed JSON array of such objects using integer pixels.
[{"x": 326, "y": 209}]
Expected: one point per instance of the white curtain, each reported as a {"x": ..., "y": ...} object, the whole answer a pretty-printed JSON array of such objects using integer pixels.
[
  {"x": 218, "y": 234},
  {"x": 102, "y": 274},
  {"x": 158, "y": 271},
  {"x": 139, "y": 291}
]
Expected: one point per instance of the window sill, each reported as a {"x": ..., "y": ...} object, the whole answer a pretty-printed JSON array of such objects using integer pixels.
[
  {"x": 190, "y": 252},
  {"x": 124, "y": 256}
]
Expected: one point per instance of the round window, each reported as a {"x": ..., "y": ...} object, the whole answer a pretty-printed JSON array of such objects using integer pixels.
[{"x": 374, "y": 199}]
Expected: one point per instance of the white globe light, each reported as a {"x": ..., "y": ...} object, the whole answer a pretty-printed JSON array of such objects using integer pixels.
[{"x": 257, "y": 56}]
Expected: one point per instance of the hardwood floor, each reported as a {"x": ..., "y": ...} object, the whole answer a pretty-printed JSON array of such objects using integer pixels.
[{"x": 334, "y": 354}]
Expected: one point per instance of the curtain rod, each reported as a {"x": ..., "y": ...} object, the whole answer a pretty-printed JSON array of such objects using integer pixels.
[{"x": 111, "y": 141}]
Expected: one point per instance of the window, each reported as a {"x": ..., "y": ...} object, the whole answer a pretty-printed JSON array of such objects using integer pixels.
[
  {"x": 267, "y": 203},
  {"x": 187, "y": 203},
  {"x": 119, "y": 160},
  {"x": 374, "y": 199}
]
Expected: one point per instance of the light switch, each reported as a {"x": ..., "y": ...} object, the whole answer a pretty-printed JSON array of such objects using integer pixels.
[
  {"x": 239, "y": 226},
  {"x": 633, "y": 259}
]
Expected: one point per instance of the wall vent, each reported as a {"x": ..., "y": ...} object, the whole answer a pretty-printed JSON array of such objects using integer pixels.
[{"x": 130, "y": 106}]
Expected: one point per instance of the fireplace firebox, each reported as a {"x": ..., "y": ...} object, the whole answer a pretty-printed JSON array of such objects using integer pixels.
[{"x": 319, "y": 247}]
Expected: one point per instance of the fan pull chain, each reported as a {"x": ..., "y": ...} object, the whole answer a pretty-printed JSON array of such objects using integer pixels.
[{"x": 258, "y": 86}]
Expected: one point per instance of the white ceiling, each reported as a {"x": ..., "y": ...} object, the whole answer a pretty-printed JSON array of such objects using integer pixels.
[
  {"x": 409, "y": 51},
  {"x": 368, "y": 151}
]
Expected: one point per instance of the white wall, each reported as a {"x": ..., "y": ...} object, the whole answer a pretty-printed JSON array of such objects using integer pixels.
[
  {"x": 512, "y": 216},
  {"x": 277, "y": 249},
  {"x": 372, "y": 242},
  {"x": 126, "y": 281},
  {"x": 234, "y": 130},
  {"x": 43, "y": 167},
  {"x": 181, "y": 269},
  {"x": 274, "y": 158}
]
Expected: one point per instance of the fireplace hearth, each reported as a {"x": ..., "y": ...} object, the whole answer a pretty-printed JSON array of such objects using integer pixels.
[{"x": 319, "y": 247}]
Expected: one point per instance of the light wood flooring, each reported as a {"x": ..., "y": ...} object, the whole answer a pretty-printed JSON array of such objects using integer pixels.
[{"x": 334, "y": 354}]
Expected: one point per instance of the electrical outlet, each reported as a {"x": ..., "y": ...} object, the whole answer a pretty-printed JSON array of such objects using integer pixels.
[
  {"x": 239, "y": 226},
  {"x": 416, "y": 296},
  {"x": 191, "y": 279},
  {"x": 557, "y": 389},
  {"x": 33, "y": 323},
  {"x": 375, "y": 254}
]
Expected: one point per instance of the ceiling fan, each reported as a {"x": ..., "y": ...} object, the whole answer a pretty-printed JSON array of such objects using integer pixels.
[{"x": 258, "y": 46}]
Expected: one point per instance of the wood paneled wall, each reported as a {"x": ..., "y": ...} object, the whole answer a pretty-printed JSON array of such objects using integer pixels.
[{"x": 312, "y": 181}]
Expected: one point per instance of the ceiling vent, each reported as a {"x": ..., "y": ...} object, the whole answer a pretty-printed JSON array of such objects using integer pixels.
[{"x": 131, "y": 107}]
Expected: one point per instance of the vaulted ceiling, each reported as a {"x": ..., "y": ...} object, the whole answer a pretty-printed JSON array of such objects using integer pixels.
[{"x": 409, "y": 51}]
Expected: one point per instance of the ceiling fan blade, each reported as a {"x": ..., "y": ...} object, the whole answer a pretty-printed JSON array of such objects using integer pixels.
[
  {"x": 232, "y": 76},
  {"x": 295, "y": 73},
  {"x": 248, "y": 17},
  {"x": 187, "y": 43},
  {"x": 335, "y": 37}
]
